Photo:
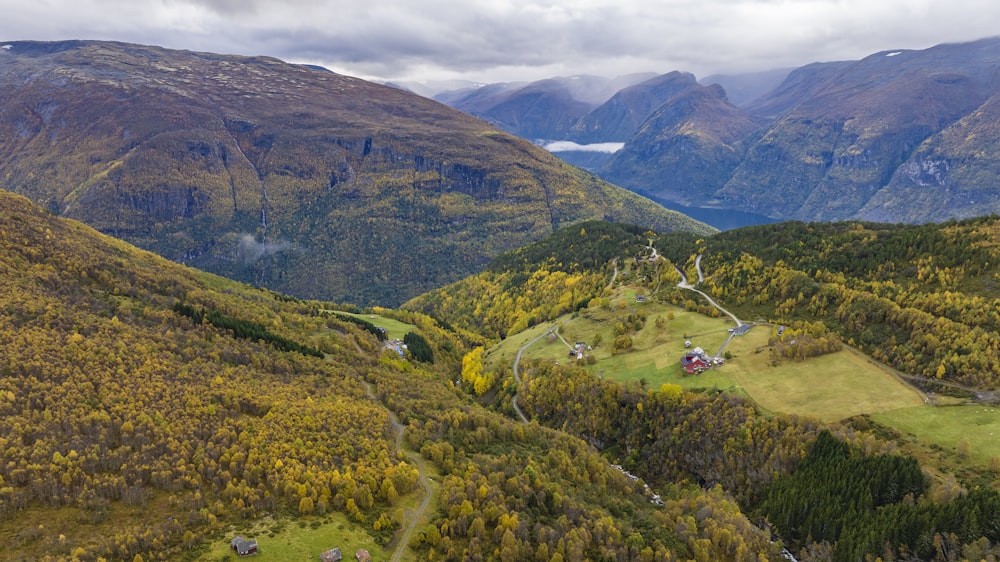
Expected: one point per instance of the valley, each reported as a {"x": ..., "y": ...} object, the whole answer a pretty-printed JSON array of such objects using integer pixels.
[{"x": 437, "y": 341}]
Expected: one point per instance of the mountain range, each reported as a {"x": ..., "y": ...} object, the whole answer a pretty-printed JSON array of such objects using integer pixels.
[
  {"x": 285, "y": 176},
  {"x": 899, "y": 136}
]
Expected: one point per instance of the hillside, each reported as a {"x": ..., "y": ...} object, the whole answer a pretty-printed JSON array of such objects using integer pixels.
[
  {"x": 686, "y": 149},
  {"x": 899, "y": 136},
  {"x": 620, "y": 117},
  {"x": 284, "y": 176},
  {"x": 150, "y": 410}
]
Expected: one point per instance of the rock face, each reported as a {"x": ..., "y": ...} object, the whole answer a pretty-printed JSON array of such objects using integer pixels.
[
  {"x": 902, "y": 136},
  {"x": 286, "y": 176}
]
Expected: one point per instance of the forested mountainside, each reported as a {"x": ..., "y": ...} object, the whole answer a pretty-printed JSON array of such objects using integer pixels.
[
  {"x": 921, "y": 298},
  {"x": 284, "y": 176},
  {"x": 536, "y": 283},
  {"x": 151, "y": 410}
]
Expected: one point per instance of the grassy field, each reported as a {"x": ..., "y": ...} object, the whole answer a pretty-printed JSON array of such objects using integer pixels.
[
  {"x": 946, "y": 426},
  {"x": 393, "y": 328},
  {"x": 830, "y": 387},
  {"x": 652, "y": 344},
  {"x": 287, "y": 540}
]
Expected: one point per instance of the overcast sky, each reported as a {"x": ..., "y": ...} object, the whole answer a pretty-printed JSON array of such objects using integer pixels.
[{"x": 509, "y": 40}]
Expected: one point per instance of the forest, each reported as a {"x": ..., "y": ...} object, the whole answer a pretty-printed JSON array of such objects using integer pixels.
[{"x": 922, "y": 298}]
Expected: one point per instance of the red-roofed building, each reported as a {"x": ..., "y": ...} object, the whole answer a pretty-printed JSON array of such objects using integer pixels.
[{"x": 694, "y": 363}]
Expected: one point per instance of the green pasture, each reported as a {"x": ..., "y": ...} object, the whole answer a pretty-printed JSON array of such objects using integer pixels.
[
  {"x": 289, "y": 539},
  {"x": 393, "y": 328},
  {"x": 946, "y": 426},
  {"x": 830, "y": 387},
  {"x": 656, "y": 353}
]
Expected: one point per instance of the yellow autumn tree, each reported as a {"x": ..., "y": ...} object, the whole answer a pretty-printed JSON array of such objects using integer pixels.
[{"x": 472, "y": 371}]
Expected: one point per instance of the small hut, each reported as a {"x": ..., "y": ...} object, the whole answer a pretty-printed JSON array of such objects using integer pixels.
[
  {"x": 244, "y": 547},
  {"x": 332, "y": 555}
]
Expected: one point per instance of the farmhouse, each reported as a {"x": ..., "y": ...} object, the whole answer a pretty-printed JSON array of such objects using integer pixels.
[
  {"x": 244, "y": 547},
  {"x": 695, "y": 362},
  {"x": 363, "y": 556}
]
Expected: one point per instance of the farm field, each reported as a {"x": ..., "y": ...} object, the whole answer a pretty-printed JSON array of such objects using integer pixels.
[
  {"x": 831, "y": 387},
  {"x": 946, "y": 426},
  {"x": 394, "y": 329},
  {"x": 652, "y": 344}
]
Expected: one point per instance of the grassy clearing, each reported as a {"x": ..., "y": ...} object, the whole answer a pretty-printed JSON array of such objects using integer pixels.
[
  {"x": 286, "y": 540},
  {"x": 657, "y": 351},
  {"x": 831, "y": 387},
  {"x": 505, "y": 351},
  {"x": 393, "y": 328},
  {"x": 946, "y": 426}
]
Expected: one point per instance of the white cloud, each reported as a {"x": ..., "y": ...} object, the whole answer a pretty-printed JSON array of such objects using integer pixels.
[
  {"x": 498, "y": 40},
  {"x": 569, "y": 146}
]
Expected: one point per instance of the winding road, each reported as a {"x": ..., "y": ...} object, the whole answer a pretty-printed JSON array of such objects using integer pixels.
[
  {"x": 517, "y": 362},
  {"x": 701, "y": 278},
  {"x": 614, "y": 276},
  {"x": 411, "y": 523}
]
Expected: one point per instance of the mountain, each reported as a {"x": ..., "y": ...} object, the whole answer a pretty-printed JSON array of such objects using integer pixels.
[
  {"x": 619, "y": 118},
  {"x": 281, "y": 175},
  {"x": 431, "y": 88},
  {"x": 686, "y": 149},
  {"x": 150, "y": 410},
  {"x": 900, "y": 136},
  {"x": 541, "y": 110},
  {"x": 919, "y": 298}
]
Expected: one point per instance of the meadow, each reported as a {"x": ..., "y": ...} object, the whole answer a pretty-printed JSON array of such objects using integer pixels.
[
  {"x": 303, "y": 538},
  {"x": 830, "y": 387},
  {"x": 947, "y": 426},
  {"x": 394, "y": 329}
]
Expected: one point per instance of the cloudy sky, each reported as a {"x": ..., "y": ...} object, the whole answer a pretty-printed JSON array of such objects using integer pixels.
[{"x": 508, "y": 40}]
